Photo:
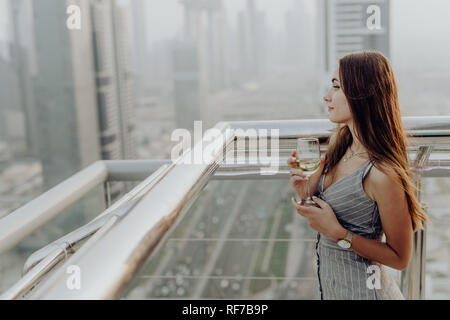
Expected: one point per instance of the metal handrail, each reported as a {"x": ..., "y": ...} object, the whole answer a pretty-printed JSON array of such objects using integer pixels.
[
  {"x": 433, "y": 131},
  {"x": 170, "y": 198},
  {"x": 47, "y": 257},
  {"x": 23, "y": 221},
  {"x": 123, "y": 205},
  {"x": 119, "y": 208},
  {"x": 27, "y": 281},
  {"x": 142, "y": 168}
]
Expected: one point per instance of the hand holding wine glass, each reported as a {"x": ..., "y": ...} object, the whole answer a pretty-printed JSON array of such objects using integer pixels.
[
  {"x": 307, "y": 163},
  {"x": 298, "y": 178}
]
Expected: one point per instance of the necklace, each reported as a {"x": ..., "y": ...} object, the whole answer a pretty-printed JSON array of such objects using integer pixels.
[{"x": 352, "y": 155}]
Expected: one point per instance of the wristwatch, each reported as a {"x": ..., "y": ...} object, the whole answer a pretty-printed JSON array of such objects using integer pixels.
[{"x": 346, "y": 243}]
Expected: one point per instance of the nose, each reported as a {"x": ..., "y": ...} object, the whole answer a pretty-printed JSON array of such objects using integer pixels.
[{"x": 327, "y": 97}]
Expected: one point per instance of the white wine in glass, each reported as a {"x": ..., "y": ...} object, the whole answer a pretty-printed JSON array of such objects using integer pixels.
[
  {"x": 308, "y": 160},
  {"x": 308, "y": 167}
]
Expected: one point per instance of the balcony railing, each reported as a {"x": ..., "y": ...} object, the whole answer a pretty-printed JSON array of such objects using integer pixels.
[{"x": 128, "y": 232}]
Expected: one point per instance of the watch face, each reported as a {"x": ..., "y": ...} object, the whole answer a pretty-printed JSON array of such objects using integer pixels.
[{"x": 344, "y": 244}]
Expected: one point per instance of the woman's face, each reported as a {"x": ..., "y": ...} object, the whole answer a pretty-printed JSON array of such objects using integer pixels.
[{"x": 338, "y": 107}]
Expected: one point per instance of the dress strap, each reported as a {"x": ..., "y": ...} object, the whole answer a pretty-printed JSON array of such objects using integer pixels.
[
  {"x": 321, "y": 182},
  {"x": 322, "y": 179},
  {"x": 367, "y": 169}
]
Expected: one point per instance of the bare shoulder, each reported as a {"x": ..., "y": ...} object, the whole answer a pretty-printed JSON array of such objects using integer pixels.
[
  {"x": 381, "y": 180},
  {"x": 383, "y": 174}
]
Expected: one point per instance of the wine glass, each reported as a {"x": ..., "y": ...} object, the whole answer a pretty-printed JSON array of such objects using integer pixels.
[{"x": 308, "y": 160}]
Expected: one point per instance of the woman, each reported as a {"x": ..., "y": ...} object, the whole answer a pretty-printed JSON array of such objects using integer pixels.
[{"x": 364, "y": 185}]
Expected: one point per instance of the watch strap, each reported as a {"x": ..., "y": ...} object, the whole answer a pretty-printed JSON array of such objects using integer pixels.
[{"x": 349, "y": 236}]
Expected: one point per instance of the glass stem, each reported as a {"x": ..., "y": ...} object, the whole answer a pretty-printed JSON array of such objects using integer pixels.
[{"x": 307, "y": 190}]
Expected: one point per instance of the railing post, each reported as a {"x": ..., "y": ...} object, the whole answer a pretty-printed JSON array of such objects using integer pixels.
[
  {"x": 413, "y": 278},
  {"x": 107, "y": 191}
]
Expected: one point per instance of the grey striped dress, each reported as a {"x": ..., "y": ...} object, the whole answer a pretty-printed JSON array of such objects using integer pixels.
[{"x": 342, "y": 273}]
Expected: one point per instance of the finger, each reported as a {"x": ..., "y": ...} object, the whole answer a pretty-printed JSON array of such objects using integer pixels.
[
  {"x": 294, "y": 202},
  {"x": 322, "y": 162},
  {"x": 302, "y": 210},
  {"x": 297, "y": 178},
  {"x": 301, "y": 177},
  {"x": 290, "y": 160},
  {"x": 322, "y": 204},
  {"x": 297, "y": 172}
]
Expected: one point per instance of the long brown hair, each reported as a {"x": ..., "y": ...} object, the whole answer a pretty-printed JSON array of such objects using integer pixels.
[{"x": 368, "y": 83}]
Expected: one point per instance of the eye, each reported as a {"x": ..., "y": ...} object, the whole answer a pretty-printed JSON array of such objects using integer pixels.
[{"x": 336, "y": 87}]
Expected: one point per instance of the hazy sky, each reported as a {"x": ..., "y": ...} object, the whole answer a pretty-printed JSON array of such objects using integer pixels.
[
  {"x": 421, "y": 33},
  {"x": 420, "y": 29},
  {"x": 3, "y": 20},
  {"x": 4, "y": 29},
  {"x": 275, "y": 10},
  {"x": 165, "y": 17}
]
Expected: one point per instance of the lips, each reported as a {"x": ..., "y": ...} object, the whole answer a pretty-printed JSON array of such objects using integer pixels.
[{"x": 330, "y": 108}]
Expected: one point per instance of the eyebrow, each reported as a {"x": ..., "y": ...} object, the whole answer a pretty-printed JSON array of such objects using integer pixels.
[{"x": 334, "y": 79}]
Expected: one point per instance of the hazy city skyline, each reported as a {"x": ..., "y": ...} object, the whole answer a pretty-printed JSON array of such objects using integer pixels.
[
  {"x": 139, "y": 69},
  {"x": 414, "y": 21}
]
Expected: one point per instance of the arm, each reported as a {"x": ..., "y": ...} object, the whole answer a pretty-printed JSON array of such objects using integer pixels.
[{"x": 396, "y": 221}]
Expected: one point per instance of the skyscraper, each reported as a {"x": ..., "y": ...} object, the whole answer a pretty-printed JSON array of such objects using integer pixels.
[
  {"x": 65, "y": 91},
  {"x": 205, "y": 26},
  {"x": 252, "y": 41},
  {"x": 66, "y": 112},
  {"x": 113, "y": 66},
  {"x": 198, "y": 60},
  {"x": 113, "y": 78},
  {"x": 69, "y": 90},
  {"x": 141, "y": 66},
  {"x": 83, "y": 90},
  {"x": 12, "y": 131},
  {"x": 187, "y": 88},
  {"x": 343, "y": 28},
  {"x": 300, "y": 46},
  {"x": 83, "y": 87},
  {"x": 125, "y": 79},
  {"x": 23, "y": 61},
  {"x": 16, "y": 68}
]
